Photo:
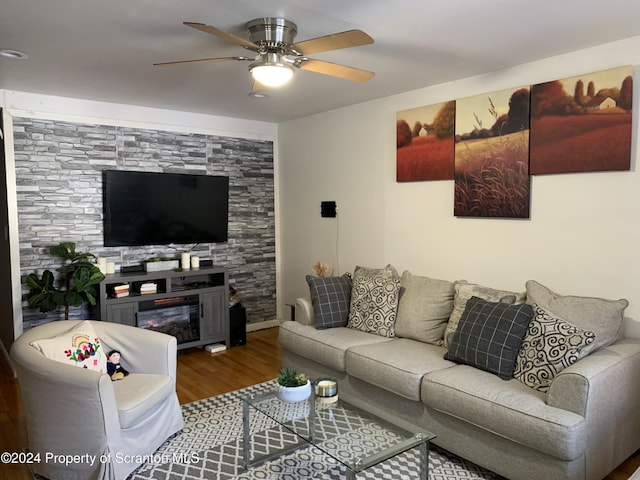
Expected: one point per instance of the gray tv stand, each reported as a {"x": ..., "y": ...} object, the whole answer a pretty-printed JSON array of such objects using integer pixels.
[{"x": 192, "y": 305}]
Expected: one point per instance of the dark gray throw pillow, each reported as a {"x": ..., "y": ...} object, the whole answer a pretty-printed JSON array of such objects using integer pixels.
[
  {"x": 489, "y": 336},
  {"x": 331, "y": 298}
]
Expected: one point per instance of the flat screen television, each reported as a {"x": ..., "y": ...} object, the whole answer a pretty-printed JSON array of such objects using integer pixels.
[{"x": 145, "y": 208}]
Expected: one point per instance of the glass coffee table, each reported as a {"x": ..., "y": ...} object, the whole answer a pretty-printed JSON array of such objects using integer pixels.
[{"x": 347, "y": 433}]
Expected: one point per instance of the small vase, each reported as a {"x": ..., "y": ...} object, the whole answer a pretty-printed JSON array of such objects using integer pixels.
[{"x": 294, "y": 394}]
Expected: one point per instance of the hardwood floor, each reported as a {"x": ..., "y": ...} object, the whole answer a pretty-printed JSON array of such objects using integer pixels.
[{"x": 200, "y": 375}]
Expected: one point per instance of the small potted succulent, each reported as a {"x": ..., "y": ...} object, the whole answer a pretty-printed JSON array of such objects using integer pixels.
[{"x": 293, "y": 386}]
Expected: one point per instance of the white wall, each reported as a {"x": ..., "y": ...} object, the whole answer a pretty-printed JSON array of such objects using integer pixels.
[{"x": 583, "y": 236}]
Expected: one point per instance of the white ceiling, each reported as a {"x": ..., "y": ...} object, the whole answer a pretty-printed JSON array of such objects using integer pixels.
[{"x": 105, "y": 49}]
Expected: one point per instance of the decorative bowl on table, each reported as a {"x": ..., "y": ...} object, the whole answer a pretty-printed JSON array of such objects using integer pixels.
[
  {"x": 294, "y": 394},
  {"x": 293, "y": 386}
]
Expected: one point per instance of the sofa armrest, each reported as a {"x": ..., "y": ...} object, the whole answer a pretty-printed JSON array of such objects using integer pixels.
[
  {"x": 604, "y": 388},
  {"x": 304, "y": 311},
  {"x": 612, "y": 369}
]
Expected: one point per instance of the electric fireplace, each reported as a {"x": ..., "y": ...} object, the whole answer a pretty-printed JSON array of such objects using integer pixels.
[{"x": 177, "y": 316}]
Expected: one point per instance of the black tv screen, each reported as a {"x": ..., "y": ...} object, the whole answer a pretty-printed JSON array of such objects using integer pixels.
[{"x": 144, "y": 208}]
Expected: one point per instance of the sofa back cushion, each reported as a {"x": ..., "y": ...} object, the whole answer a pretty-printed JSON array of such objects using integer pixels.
[
  {"x": 424, "y": 308},
  {"x": 598, "y": 315}
]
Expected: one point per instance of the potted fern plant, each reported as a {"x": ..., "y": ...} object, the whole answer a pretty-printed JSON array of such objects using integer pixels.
[
  {"x": 79, "y": 280},
  {"x": 293, "y": 386}
]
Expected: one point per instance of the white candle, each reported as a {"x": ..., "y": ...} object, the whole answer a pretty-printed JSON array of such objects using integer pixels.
[
  {"x": 195, "y": 262},
  {"x": 111, "y": 267},
  {"x": 101, "y": 264},
  {"x": 326, "y": 388},
  {"x": 184, "y": 261}
]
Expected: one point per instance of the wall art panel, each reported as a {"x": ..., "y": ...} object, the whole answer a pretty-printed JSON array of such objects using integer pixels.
[
  {"x": 492, "y": 155},
  {"x": 425, "y": 143},
  {"x": 582, "y": 123}
]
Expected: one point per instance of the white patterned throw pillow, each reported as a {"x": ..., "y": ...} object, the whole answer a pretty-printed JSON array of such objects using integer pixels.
[
  {"x": 79, "y": 346},
  {"x": 550, "y": 346},
  {"x": 374, "y": 300}
]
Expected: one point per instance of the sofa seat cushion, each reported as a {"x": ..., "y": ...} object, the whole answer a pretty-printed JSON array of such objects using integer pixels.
[
  {"x": 327, "y": 347},
  {"x": 139, "y": 393},
  {"x": 507, "y": 408},
  {"x": 396, "y": 366}
]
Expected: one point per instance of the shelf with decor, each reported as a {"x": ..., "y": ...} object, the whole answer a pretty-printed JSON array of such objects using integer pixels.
[{"x": 191, "y": 305}]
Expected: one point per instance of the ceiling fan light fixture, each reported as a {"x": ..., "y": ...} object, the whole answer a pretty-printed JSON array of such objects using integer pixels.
[{"x": 271, "y": 71}]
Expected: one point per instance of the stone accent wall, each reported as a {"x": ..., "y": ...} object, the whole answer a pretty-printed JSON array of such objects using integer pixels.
[{"x": 59, "y": 184}]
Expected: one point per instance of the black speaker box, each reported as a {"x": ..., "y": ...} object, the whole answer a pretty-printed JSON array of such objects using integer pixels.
[
  {"x": 132, "y": 269},
  {"x": 238, "y": 325}
]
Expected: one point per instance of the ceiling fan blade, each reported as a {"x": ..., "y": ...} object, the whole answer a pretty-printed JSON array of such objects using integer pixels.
[
  {"x": 230, "y": 37},
  {"x": 336, "y": 41},
  {"x": 335, "y": 70},
  {"x": 200, "y": 60}
]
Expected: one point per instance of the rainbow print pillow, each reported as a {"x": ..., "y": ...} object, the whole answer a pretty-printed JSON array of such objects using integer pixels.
[{"x": 79, "y": 346}]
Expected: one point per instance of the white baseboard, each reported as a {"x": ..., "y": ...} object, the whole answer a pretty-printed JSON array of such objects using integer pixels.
[{"x": 252, "y": 327}]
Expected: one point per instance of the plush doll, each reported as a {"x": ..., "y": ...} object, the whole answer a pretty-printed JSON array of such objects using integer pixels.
[{"x": 114, "y": 369}]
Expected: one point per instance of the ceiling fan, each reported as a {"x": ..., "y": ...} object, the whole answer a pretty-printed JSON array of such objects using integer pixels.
[{"x": 277, "y": 56}]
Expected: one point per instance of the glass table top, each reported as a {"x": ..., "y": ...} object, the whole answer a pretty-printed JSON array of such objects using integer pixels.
[{"x": 347, "y": 432}]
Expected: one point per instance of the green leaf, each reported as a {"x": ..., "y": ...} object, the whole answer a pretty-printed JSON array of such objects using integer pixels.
[
  {"x": 33, "y": 281},
  {"x": 58, "y": 297},
  {"x": 47, "y": 280},
  {"x": 96, "y": 277},
  {"x": 48, "y": 305},
  {"x": 90, "y": 297},
  {"x": 73, "y": 299},
  {"x": 35, "y": 300},
  {"x": 64, "y": 250}
]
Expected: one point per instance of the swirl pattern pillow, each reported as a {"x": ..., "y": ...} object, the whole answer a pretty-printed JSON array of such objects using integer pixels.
[
  {"x": 374, "y": 300},
  {"x": 550, "y": 346}
]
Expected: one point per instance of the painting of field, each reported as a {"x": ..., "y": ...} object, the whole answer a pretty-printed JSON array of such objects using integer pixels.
[
  {"x": 425, "y": 143},
  {"x": 492, "y": 155},
  {"x": 582, "y": 123}
]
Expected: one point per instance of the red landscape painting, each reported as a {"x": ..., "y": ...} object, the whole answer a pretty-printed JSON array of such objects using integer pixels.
[
  {"x": 425, "y": 143},
  {"x": 582, "y": 123}
]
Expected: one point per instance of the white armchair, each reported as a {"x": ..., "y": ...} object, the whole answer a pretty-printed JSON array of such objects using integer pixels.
[{"x": 82, "y": 424}]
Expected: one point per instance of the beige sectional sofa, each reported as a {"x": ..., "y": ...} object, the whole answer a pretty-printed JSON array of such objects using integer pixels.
[{"x": 578, "y": 422}]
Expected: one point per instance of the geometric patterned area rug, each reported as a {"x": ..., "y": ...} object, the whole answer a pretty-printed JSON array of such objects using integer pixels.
[{"x": 210, "y": 447}]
